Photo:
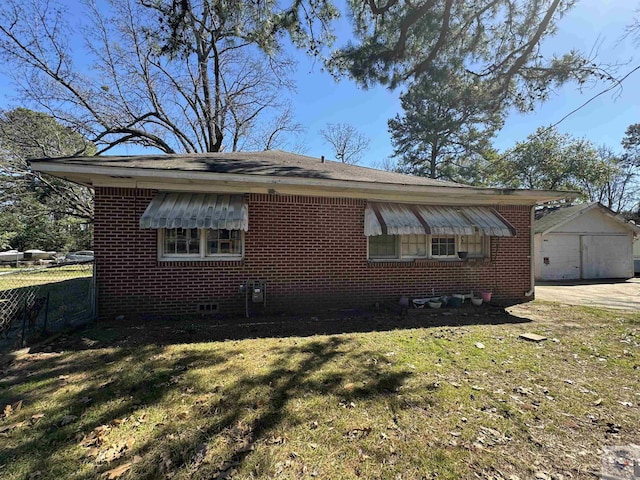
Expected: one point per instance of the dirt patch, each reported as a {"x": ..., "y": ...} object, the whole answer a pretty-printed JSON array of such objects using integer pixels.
[{"x": 168, "y": 331}]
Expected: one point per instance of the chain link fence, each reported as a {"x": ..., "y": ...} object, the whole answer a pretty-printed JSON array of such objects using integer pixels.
[{"x": 38, "y": 301}]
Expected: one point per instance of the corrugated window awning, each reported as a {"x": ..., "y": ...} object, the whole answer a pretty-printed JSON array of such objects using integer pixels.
[
  {"x": 404, "y": 219},
  {"x": 196, "y": 210}
]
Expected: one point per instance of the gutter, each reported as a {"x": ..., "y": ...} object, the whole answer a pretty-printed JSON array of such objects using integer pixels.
[
  {"x": 531, "y": 254},
  {"x": 496, "y": 195}
]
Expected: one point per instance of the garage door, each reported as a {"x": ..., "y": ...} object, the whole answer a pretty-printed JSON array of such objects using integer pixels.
[
  {"x": 606, "y": 256},
  {"x": 560, "y": 255}
]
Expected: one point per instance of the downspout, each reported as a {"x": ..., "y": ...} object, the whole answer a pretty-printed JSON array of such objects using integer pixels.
[{"x": 531, "y": 254}]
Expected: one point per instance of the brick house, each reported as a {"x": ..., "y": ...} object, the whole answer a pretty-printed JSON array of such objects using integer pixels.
[{"x": 176, "y": 234}]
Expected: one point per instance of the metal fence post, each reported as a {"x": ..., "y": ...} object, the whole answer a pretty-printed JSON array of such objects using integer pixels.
[
  {"x": 46, "y": 314},
  {"x": 24, "y": 322}
]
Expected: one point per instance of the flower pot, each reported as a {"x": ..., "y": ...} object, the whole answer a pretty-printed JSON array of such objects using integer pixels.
[
  {"x": 435, "y": 304},
  {"x": 462, "y": 255},
  {"x": 455, "y": 302},
  {"x": 476, "y": 301},
  {"x": 486, "y": 296}
]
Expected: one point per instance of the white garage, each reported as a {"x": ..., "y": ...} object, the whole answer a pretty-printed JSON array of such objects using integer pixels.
[{"x": 583, "y": 242}]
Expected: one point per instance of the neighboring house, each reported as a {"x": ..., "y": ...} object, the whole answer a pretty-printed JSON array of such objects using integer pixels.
[
  {"x": 174, "y": 233},
  {"x": 586, "y": 241}
]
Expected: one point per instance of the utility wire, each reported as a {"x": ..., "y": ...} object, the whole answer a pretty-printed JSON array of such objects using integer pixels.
[{"x": 618, "y": 83}]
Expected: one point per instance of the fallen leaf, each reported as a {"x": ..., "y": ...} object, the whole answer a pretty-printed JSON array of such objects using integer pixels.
[
  {"x": 479, "y": 345},
  {"x": 7, "y": 428},
  {"x": 597, "y": 402},
  {"x": 118, "y": 471},
  {"x": 92, "y": 452}
]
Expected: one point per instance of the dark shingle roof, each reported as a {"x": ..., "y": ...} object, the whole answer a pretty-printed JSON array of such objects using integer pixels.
[{"x": 270, "y": 162}]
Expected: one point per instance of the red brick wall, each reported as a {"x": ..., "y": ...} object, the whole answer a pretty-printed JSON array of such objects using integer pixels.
[{"x": 311, "y": 251}]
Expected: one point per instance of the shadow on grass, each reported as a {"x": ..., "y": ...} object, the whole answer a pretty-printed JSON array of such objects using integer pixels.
[
  {"x": 80, "y": 391},
  {"x": 170, "y": 331}
]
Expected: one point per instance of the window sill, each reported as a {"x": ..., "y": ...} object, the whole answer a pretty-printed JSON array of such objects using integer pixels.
[
  {"x": 391, "y": 260},
  {"x": 423, "y": 261},
  {"x": 222, "y": 258}
]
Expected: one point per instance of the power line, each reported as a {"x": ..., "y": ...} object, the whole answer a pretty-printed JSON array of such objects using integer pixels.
[
  {"x": 608, "y": 89},
  {"x": 618, "y": 83}
]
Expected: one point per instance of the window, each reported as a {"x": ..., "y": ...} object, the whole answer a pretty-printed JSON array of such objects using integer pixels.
[
  {"x": 200, "y": 244},
  {"x": 444, "y": 246},
  {"x": 414, "y": 245},
  {"x": 427, "y": 246},
  {"x": 221, "y": 242},
  {"x": 475, "y": 245},
  {"x": 383, "y": 246},
  {"x": 182, "y": 241}
]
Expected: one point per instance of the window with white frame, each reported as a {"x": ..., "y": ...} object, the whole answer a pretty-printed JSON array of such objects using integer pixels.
[
  {"x": 414, "y": 245},
  {"x": 476, "y": 245},
  {"x": 443, "y": 246},
  {"x": 383, "y": 246},
  {"x": 200, "y": 244},
  {"x": 427, "y": 246}
]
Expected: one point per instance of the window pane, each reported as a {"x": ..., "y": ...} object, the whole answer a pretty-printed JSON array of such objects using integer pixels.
[
  {"x": 443, "y": 246},
  {"x": 194, "y": 240},
  {"x": 224, "y": 242},
  {"x": 414, "y": 245},
  {"x": 169, "y": 241},
  {"x": 181, "y": 241},
  {"x": 473, "y": 244},
  {"x": 383, "y": 246}
]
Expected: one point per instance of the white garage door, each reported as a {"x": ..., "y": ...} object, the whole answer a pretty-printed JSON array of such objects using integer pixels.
[
  {"x": 560, "y": 257},
  {"x": 606, "y": 256}
]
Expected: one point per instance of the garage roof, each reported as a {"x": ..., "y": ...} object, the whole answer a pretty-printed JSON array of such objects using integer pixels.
[{"x": 547, "y": 220}]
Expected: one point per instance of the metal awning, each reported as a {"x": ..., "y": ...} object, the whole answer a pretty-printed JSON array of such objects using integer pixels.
[
  {"x": 405, "y": 219},
  {"x": 196, "y": 210}
]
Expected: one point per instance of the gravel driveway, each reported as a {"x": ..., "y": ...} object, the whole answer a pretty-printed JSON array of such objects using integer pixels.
[{"x": 622, "y": 294}]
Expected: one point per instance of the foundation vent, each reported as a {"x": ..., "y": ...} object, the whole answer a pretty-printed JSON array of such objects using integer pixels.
[{"x": 207, "y": 308}]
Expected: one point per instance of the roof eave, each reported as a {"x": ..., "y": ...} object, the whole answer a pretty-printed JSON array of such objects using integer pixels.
[{"x": 103, "y": 176}]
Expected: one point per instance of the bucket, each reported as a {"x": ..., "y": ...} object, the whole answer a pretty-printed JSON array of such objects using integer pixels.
[
  {"x": 486, "y": 296},
  {"x": 455, "y": 302}
]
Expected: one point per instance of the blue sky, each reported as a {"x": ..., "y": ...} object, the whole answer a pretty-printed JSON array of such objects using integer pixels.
[{"x": 320, "y": 100}]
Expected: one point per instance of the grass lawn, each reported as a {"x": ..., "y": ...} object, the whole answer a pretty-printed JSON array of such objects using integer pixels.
[
  {"x": 468, "y": 400},
  {"x": 12, "y": 278}
]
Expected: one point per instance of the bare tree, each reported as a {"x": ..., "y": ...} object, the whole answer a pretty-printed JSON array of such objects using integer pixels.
[
  {"x": 280, "y": 132},
  {"x": 209, "y": 95},
  {"x": 388, "y": 164},
  {"x": 348, "y": 143}
]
